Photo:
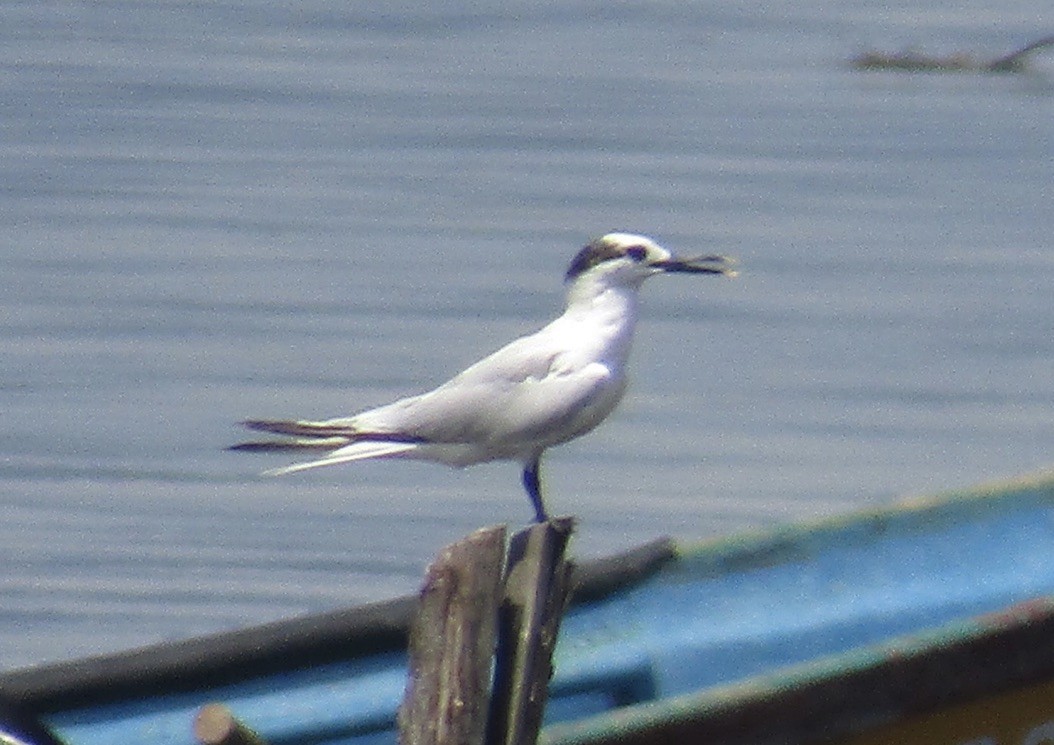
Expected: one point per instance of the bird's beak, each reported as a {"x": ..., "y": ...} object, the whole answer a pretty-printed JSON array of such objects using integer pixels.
[{"x": 698, "y": 265}]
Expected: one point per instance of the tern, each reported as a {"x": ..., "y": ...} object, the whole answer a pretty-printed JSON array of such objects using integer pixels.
[{"x": 540, "y": 390}]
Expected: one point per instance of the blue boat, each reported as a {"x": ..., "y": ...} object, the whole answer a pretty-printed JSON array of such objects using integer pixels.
[{"x": 930, "y": 621}]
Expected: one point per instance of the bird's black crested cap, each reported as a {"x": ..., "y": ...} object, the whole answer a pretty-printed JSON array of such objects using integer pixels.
[{"x": 597, "y": 251}]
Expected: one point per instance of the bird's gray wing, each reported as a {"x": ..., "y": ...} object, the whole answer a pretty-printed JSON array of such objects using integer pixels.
[
  {"x": 519, "y": 391},
  {"x": 532, "y": 356},
  {"x": 497, "y": 411},
  {"x": 562, "y": 405}
]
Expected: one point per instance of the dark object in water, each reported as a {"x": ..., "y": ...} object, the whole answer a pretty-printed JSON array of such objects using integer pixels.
[{"x": 913, "y": 61}]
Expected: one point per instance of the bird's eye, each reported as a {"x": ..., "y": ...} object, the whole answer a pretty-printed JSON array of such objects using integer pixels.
[{"x": 637, "y": 253}]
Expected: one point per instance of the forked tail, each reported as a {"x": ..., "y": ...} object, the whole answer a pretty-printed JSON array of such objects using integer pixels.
[
  {"x": 302, "y": 436},
  {"x": 342, "y": 442}
]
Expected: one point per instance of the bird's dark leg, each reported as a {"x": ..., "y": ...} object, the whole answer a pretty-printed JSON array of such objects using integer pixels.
[{"x": 532, "y": 484}]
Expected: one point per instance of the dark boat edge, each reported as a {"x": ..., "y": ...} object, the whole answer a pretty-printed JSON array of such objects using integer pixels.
[{"x": 229, "y": 657}]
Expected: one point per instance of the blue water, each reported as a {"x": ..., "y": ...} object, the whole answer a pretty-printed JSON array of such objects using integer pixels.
[{"x": 213, "y": 211}]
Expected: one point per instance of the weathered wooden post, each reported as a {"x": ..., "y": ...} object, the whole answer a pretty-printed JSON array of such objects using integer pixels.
[
  {"x": 468, "y": 609},
  {"x": 537, "y": 587},
  {"x": 452, "y": 642}
]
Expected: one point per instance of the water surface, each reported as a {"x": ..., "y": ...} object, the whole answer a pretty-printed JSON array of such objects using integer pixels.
[{"x": 214, "y": 211}]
